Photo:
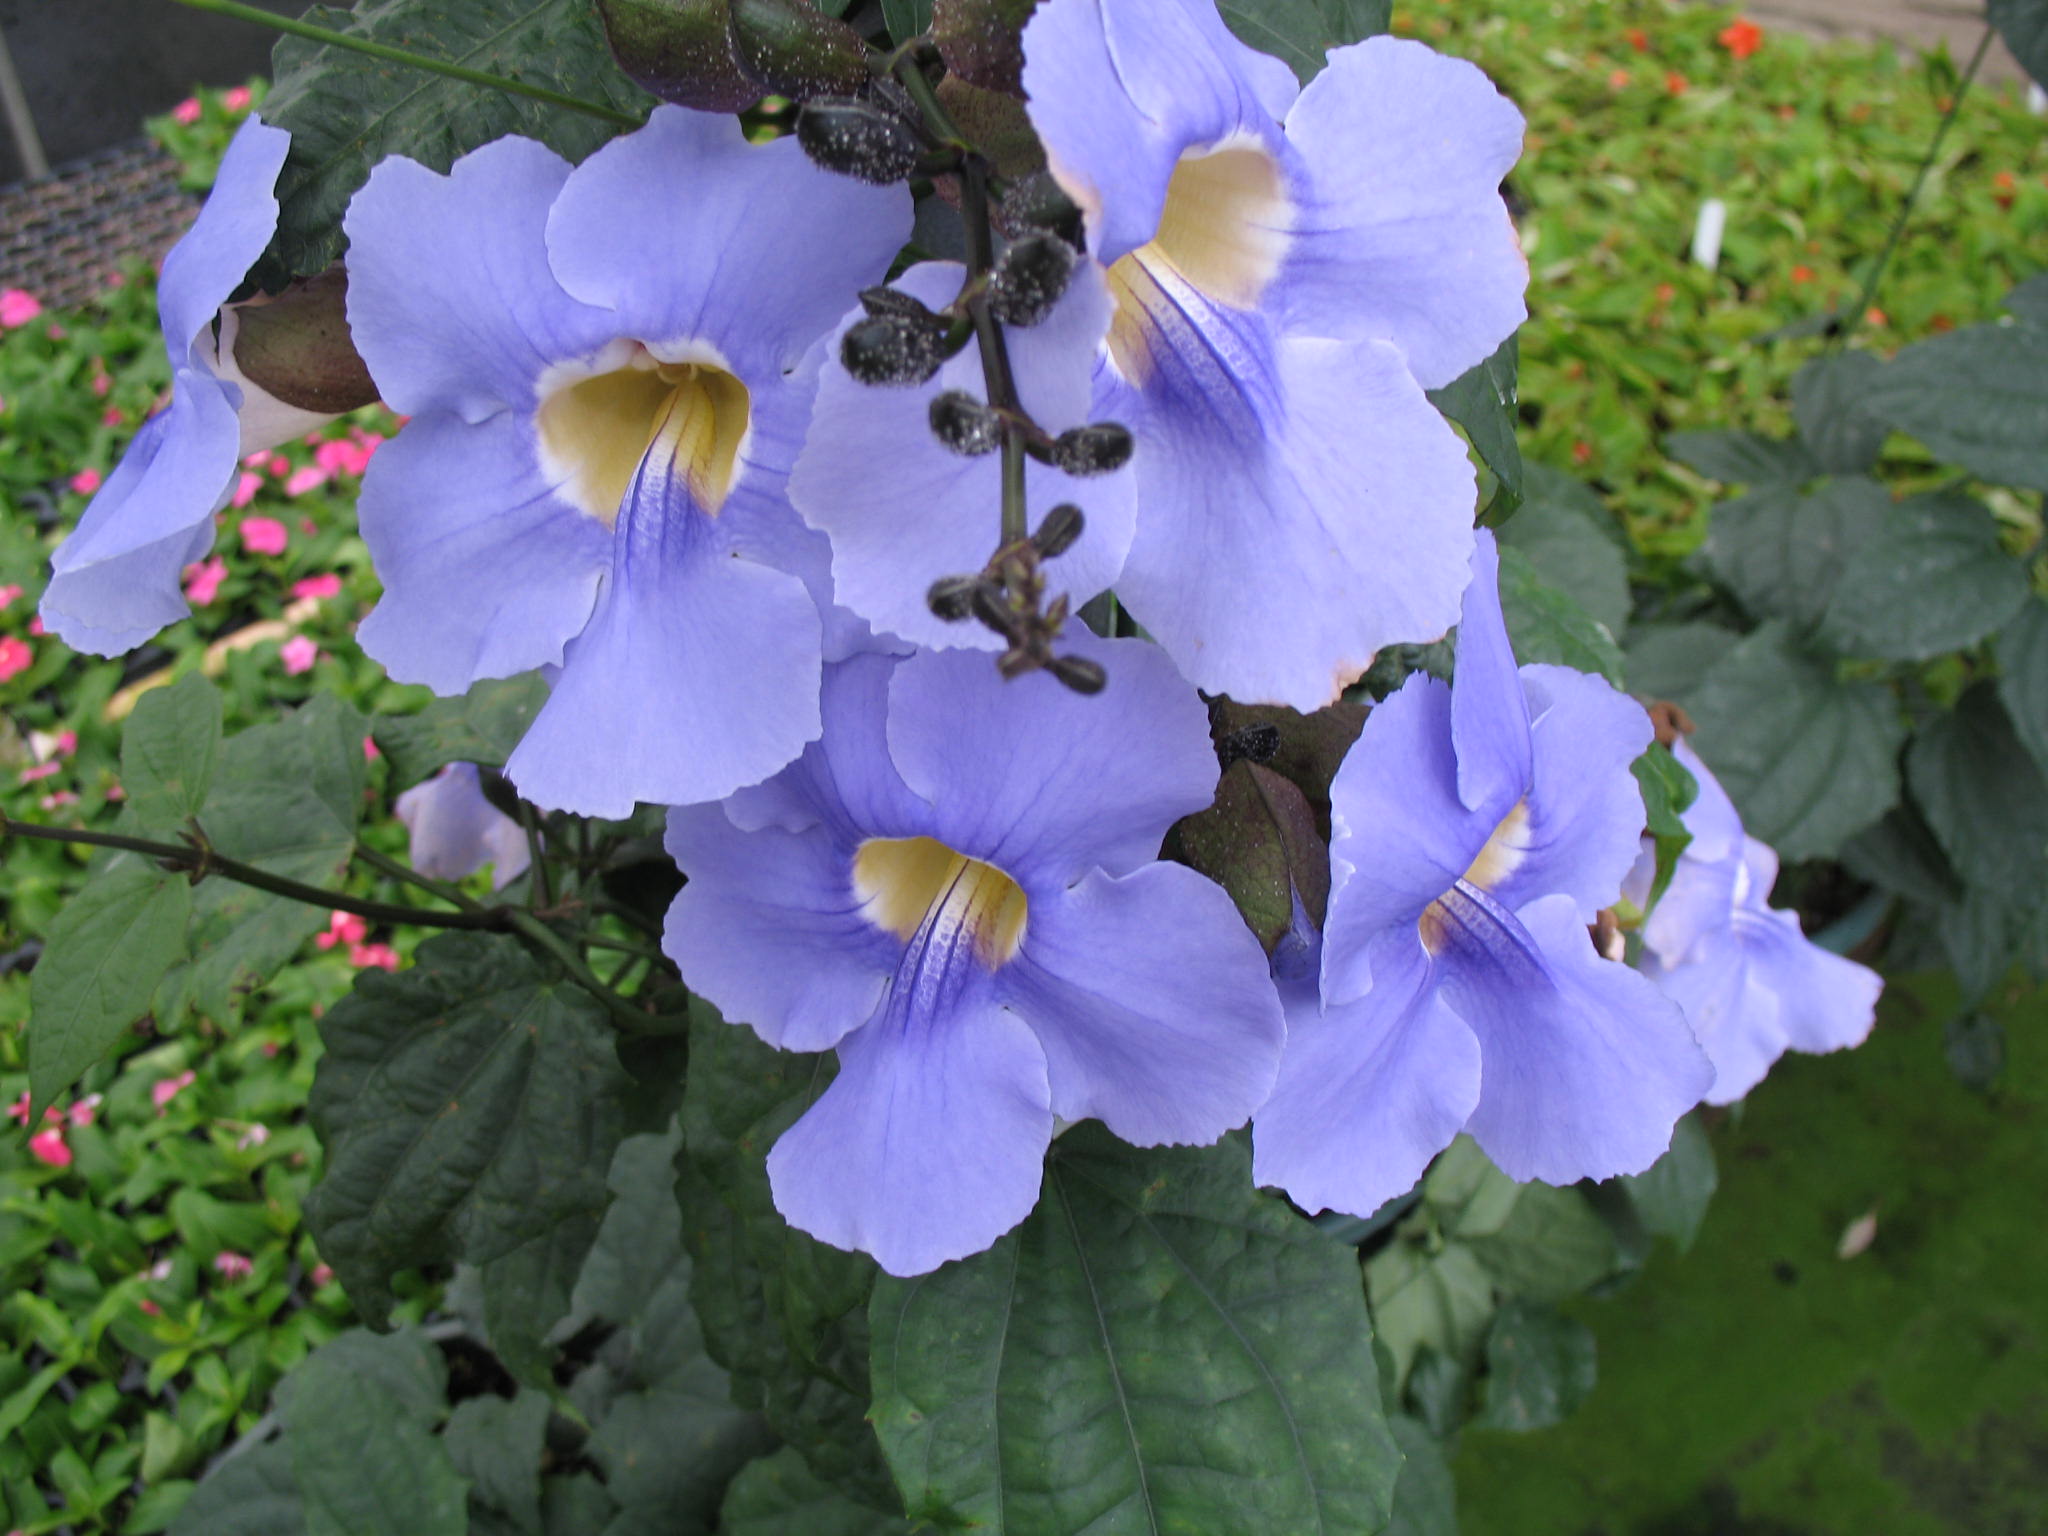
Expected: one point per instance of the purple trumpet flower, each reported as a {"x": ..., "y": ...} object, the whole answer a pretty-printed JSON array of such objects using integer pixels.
[
  {"x": 456, "y": 831},
  {"x": 1291, "y": 269},
  {"x": 608, "y": 370},
  {"x": 1477, "y": 830},
  {"x": 957, "y": 889},
  {"x": 114, "y": 581},
  {"x": 1751, "y": 984}
]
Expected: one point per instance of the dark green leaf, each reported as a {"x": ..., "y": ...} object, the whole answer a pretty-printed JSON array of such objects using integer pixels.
[
  {"x": 1743, "y": 458},
  {"x": 575, "y": 1506},
  {"x": 1551, "y": 1245},
  {"x": 467, "y": 1105},
  {"x": 1482, "y": 401},
  {"x": 1668, "y": 788},
  {"x": 347, "y": 111},
  {"x": 1807, "y": 760},
  {"x": 1984, "y": 796},
  {"x": 1974, "y": 1046},
  {"x": 2029, "y": 301},
  {"x": 286, "y": 798},
  {"x": 1546, "y": 624},
  {"x": 1158, "y": 1347},
  {"x": 1931, "y": 579},
  {"x": 1300, "y": 32},
  {"x": 640, "y": 1244},
  {"x": 671, "y": 1452},
  {"x": 1780, "y": 552},
  {"x": 496, "y": 1443},
  {"x": 250, "y": 1494},
  {"x": 482, "y": 726},
  {"x": 1439, "y": 1300},
  {"x": 168, "y": 750},
  {"x": 1539, "y": 1367},
  {"x": 1827, "y": 399},
  {"x": 1978, "y": 396},
  {"x": 1985, "y": 933},
  {"x": 1670, "y": 661},
  {"x": 779, "y": 1496},
  {"x": 1259, "y": 842},
  {"x": 1426, "y": 1497},
  {"x": 101, "y": 960},
  {"x": 1571, "y": 541},
  {"x": 1902, "y": 855},
  {"x": 2023, "y": 676},
  {"x": 2024, "y": 26},
  {"x": 1671, "y": 1195},
  {"x": 1438, "y": 1389},
  {"x": 358, "y": 1419},
  {"x": 526, "y": 1293},
  {"x": 906, "y": 19}
]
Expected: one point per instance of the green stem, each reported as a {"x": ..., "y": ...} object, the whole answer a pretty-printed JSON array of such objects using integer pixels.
[
  {"x": 1898, "y": 230},
  {"x": 407, "y": 875},
  {"x": 624, "y": 1014},
  {"x": 203, "y": 860},
  {"x": 624, "y": 947},
  {"x": 386, "y": 52},
  {"x": 628, "y": 916},
  {"x": 995, "y": 354},
  {"x": 537, "y": 869}
]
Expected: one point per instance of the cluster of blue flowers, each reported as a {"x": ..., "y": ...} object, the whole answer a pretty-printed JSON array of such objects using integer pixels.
[{"x": 637, "y": 461}]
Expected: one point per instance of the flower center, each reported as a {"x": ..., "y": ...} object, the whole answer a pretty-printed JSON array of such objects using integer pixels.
[
  {"x": 1501, "y": 856},
  {"x": 596, "y": 429},
  {"x": 1223, "y": 233},
  {"x": 907, "y": 884}
]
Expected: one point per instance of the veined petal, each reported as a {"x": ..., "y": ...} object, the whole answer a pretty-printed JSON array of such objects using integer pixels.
[
  {"x": 234, "y": 226},
  {"x": 114, "y": 581},
  {"x": 1400, "y": 837},
  {"x": 1583, "y": 819},
  {"x": 930, "y": 1143},
  {"x": 1401, "y": 234},
  {"x": 901, "y": 511},
  {"x": 1153, "y": 1005},
  {"x": 1040, "y": 781},
  {"x": 450, "y": 298},
  {"x": 757, "y": 248},
  {"x": 1489, "y": 707},
  {"x": 486, "y": 572},
  {"x": 1587, "y": 1065},
  {"x": 770, "y": 929},
  {"x": 697, "y": 673},
  {"x": 1369, "y": 1091},
  {"x": 1119, "y": 90},
  {"x": 1303, "y": 505}
]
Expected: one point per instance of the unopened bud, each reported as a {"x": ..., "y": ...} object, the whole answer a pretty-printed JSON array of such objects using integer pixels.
[
  {"x": 1078, "y": 673},
  {"x": 952, "y": 597},
  {"x": 883, "y": 302},
  {"x": 855, "y": 139},
  {"x": 1096, "y": 449},
  {"x": 681, "y": 50},
  {"x": 1039, "y": 202},
  {"x": 1058, "y": 531},
  {"x": 795, "y": 50},
  {"x": 892, "y": 350},
  {"x": 962, "y": 423},
  {"x": 988, "y": 607},
  {"x": 1029, "y": 278}
]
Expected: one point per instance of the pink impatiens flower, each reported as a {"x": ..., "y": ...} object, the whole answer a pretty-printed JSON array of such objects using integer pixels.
[
  {"x": 40, "y": 771},
  {"x": 202, "y": 581},
  {"x": 187, "y": 111},
  {"x": 8, "y": 594},
  {"x": 317, "y": 587},
  {"x": 264, "y": 535},
  {"x": 342, "y": 928},
  {"x": 236, "y": 99},
  {"x": 363, "y": 956},
  {"x": 247, "y": 484},
  {"x": 299, "y": 654},
  {"x": 233, "y": 1266},
  {"x": 49, "y": 1146},
  {"x": 86, "y": 481},
  {"x": 16, "y": 657},
  {"x": 310, "y": 478},
  {"x": 17, "y": 307},
  {"x": 85, "y": 1111},
  {"x": 166, "y": 1089}
]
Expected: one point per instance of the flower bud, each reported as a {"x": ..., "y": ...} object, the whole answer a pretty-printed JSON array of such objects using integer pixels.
[
  {"x": 1079, "y": 673},
  {"x": 856, "y": 139},
  {"x": 297, "y": 347},
  {"x": 893, "y": 350},
  {"x": 885, "y": 302},
  {"x": 1058, "y": 531},
  {"x": 1096, "y": 449},
  {"x": 1038, "y": 202},
  {"x": 1029, "y": 278},
  {"x": 962, "y": 423},
  {"x": 792, "y": 48},
  {"x": 681, "y": 50},
  {"x": 952, "y": 597}
]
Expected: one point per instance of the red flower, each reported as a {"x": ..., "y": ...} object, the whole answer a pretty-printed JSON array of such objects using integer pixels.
[
  {"x": 1802, "y": 274},
  {"x": 1741, "y": 38},
  {"x": 1639, "y": 40},
  {"x": 1675, "y": 83}
]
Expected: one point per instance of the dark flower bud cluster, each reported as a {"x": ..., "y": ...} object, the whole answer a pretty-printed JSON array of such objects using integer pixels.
[
  {"x": 861, "y": 139},
  {"x": 1008, "y": 596},
  {"x": 1038, "y": 202},
  {"x": 1030, "y": 277},
  {"x": 966, "y": 426},
  {"x": 1100, "y": 448}
]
